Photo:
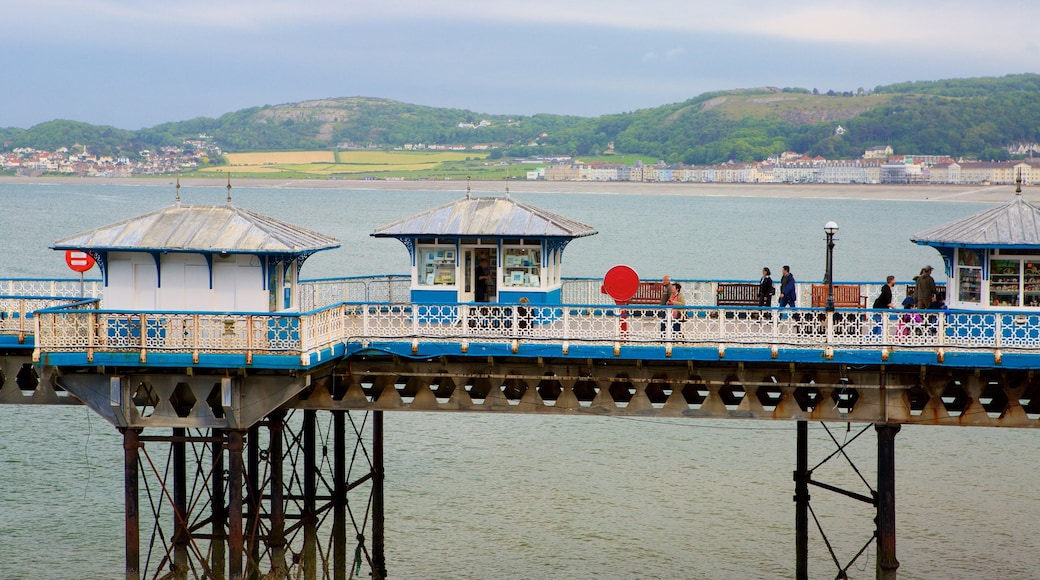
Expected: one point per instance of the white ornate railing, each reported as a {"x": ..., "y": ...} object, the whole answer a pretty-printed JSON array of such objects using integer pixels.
[
  {"x": 92, "y": 331},
  {"x": 396, "y": 288},
  {"x": 315, "y": 294},
  {"x": 16, "y": 312},
  {"x": 50, "y": 287},
  {"x": 704, "y": 292}
]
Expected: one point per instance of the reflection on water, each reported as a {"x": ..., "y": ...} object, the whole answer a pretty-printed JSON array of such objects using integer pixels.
[{"x": 484, "y": 496}]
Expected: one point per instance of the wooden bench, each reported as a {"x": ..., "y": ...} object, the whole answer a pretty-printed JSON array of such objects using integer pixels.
[
  {"x": 647, "y": 293},
  {"x": 737, "y": 294},
  {"x": 845, "y": 296}
]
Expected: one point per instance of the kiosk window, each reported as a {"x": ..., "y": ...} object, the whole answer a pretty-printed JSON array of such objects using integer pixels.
[{"x": 436, "y": 266}]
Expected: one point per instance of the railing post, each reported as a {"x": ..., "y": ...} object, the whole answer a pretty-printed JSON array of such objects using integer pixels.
[
  {"x": 249, "y": 339},
  {"x": 195, "y": 338},
  {"x": 143, "y": 321}
]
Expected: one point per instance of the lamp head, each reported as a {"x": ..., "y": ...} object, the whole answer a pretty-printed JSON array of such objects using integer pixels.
[{"x": 830, "y": 228}]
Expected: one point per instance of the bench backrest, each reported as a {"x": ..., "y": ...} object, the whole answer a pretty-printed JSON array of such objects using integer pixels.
[
  {"x": 845, "y": 296},
  {"x": 646, "y": 293},
  {"x": 737, "y": 294}
]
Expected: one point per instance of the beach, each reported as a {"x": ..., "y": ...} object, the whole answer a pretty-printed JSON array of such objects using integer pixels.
[{"x": 880, "y": 192}]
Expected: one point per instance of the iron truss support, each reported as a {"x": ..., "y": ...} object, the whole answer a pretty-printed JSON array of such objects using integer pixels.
[
  {"x": 743, "y": 390},
  {"x": 882, "y": 500},
  {"x": 297, "y": 496}
]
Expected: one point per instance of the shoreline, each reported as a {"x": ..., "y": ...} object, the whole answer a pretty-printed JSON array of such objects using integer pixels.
[{"x": 945, "y": 193}]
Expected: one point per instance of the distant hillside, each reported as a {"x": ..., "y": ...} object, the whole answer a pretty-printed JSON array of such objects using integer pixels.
[{"x": 972, "y": 118}]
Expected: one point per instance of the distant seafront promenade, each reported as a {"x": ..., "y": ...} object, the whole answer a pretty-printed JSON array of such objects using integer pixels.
[{"x": 947, "y": 193}]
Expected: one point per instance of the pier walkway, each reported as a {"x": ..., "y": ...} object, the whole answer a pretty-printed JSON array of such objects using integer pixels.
[{"x": 587, "y": 355}]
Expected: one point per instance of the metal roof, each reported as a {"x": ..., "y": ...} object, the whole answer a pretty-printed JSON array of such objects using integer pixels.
[
  {"x": 201, "y": 228},
  {"x": 1013, "y": 224},
  {"x": 488, "y": 217}
]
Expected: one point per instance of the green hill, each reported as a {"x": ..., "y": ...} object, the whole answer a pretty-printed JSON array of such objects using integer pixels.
[{"x": 972, "y": 118}]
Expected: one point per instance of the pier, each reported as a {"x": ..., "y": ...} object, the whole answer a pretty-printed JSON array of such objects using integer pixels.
[
  {"x": 252, "y": 402},
  {"x": 220, "y": 392}
]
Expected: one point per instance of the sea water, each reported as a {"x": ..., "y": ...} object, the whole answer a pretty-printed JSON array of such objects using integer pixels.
[{"x": 478, "y": 496}]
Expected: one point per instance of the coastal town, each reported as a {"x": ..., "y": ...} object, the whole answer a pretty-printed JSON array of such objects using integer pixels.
[{"x": 878, "y": 165}]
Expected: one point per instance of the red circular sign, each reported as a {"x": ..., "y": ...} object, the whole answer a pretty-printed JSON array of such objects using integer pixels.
[
  {"x": 79, "y": 261},
  {"x": 621, "y": 282}
]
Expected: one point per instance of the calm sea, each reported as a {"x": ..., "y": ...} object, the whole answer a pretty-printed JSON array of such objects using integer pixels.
[{"x": 485, "y": 496}]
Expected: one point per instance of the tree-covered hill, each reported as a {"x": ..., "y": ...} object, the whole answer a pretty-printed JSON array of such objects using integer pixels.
[{"x": 971, "y": 118}]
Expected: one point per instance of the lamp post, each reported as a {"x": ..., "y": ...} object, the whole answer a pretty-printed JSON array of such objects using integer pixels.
[{"x": 830, "y": 228}]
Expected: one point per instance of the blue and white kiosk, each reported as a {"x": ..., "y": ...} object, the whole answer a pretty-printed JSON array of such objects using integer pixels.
[
  {"x": 200, "y": 258},
  {"x": 521, "y": 244},
  {"x": 992, "y": 258}
]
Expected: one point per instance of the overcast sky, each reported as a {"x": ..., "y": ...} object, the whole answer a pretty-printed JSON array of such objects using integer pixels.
[{"x": 139, "y": 63}]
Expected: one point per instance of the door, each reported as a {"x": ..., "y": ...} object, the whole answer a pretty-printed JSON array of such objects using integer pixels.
[{"x": 468, "y": 276}]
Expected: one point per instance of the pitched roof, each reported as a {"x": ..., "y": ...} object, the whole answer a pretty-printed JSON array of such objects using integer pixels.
[
  {"x": 1013, "y": 224},
  {"x": 489, "y": 217},
  {"x": 201, "y": 228}
]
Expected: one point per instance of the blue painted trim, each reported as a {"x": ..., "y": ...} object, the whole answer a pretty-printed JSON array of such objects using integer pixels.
[
  {"x": 132, "y": 359},
  {"x": 10, "y": 342},
  {"x": 157, "y": 258}
]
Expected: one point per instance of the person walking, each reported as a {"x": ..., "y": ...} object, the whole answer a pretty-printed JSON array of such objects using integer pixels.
[
  {"x": 765, "y": 288},
  {"x": 924, "y": 291},
  {"x": 788, "y": 288},
  {"x": 675, "y": 298},
  {"x": 884, "y": 299},
  {"x": 666, "y": 289}
]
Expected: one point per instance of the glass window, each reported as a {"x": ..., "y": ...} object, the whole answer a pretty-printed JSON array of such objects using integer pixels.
[
  {"x": 1005, "y": 283},
  {"x": 1031, "y": 283},
  {"x": 436, "y": 265},
  {"x": 969, "y": 276},
  {"x": 522, "y": 267}
]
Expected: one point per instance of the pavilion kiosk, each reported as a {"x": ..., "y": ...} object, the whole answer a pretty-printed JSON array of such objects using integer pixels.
[
  {"x": 200, "y": 259},
  {"x": 522, "y": 244},
  {"x": 992, "y": 258}
]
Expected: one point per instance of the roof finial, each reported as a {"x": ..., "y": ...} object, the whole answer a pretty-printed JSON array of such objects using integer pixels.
[
  {"x": 507, "y": 192},
  {"x": 1018, "y": 183},
  {"x": 467, "y": 187},
  {"x": 178, "y": 198},
  {"x": 229, "y": 188}
]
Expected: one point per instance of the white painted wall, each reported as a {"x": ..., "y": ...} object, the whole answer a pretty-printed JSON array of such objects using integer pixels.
[{"x": 237, "y": 283}]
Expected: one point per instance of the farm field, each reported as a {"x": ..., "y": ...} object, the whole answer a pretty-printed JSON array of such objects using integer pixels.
[{"x": 366, "y": 165}]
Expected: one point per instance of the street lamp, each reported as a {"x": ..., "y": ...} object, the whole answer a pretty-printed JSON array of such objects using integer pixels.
[{"x": 830, "y": 228}]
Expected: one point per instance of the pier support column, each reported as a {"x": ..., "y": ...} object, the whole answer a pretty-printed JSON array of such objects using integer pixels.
[
  {"x": 310, "y": 500},
  {"x": 378, "y": 514},
  {"x": 887, "y": 564},
  {"x": 235, "y": 472},
  {"x": 801, "y": 503},
  {"x": 131, "y": 445},
  {"x": 218, "y": 508},
  {"x": 181, "y": 535},
  {"x": 276, "y": 427},
  {"x": 253, "y": 500},
  {"x": 339, "y": 497}
]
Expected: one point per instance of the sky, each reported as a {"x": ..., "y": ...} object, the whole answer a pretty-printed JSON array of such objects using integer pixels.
[{"x": 133, "y": 64}]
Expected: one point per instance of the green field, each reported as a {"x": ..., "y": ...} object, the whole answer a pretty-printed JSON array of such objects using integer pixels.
[
  {"x": 437, "y": 165},
  {"x": 368, "y": 165}
]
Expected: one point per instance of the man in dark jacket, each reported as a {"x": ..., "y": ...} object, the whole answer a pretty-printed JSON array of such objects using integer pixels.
[
  {"x": 788, "y": 288},
  {"x": 884, "y": 300},
  {"x": 924, "y": 293}
]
